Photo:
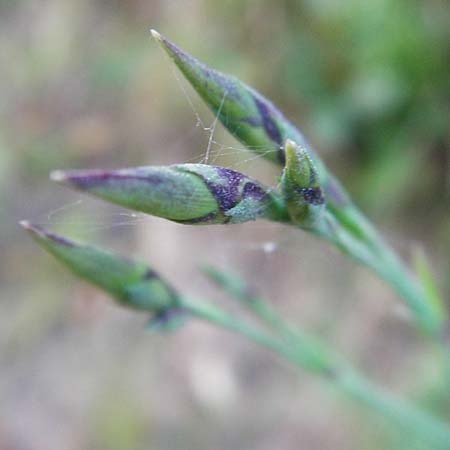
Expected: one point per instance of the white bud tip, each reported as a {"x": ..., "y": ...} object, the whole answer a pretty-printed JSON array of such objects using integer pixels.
[
  {"x": 58, "y": 176},
  {"x": 25, "y": 224},
  {"x": 290, "y": 143},
  {"x": 156, "y": 35},
  {"x": 32, "y": 228}
]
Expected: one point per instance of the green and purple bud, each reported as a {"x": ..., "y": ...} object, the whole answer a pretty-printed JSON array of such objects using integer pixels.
[
  {"x": 251, "y": 118},
  {"x": 183, "y": 193},
  {"x": 133, "y": 284},
  {"x": 301, "y": 189}
]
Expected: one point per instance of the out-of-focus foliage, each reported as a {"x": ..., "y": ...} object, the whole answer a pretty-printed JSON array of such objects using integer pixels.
[{"x": 84, "y": 87}]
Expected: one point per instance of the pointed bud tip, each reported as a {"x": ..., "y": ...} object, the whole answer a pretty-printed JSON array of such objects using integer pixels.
[
  {"x": 44, "y": 235},
  {"x": 290, "y": 150},
  {"x": 290, "y": 144},
  {"x": 294, "y": 152},
  {"x": 155, "y": 34},
  {"x": 25, "y": 224},
  {"x": 58, "y": 176},
  {"x": 31, "y": 228},
  {"x": 174, "y": 52}
]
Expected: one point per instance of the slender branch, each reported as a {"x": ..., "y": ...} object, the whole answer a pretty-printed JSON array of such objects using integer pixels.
[
  {"x": 298, "y": 346},
  {"x": 420, "y": 425}
]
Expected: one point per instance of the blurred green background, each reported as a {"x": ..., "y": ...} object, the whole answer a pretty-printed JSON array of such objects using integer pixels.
[{"x": 85, "y": 87}]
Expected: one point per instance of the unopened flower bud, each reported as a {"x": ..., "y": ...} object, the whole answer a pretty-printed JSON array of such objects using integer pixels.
[
  {"x": 184, "y": 193},
  {"x": 131, "y": 283},
  {"x": 248, "y": 115},
  {"x": 300, "y": 185}
]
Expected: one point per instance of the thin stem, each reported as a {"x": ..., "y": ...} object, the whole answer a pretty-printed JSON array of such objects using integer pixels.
[
  {"x": 373, "y": 252},
  {"x": 309, "y": 350},
  {"x": 419, "y": 424},
  {"x": 213, "y": 314}
]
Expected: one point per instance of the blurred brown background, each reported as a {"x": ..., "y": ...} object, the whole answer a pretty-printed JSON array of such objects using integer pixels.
[{"x": 84, "y": 86}]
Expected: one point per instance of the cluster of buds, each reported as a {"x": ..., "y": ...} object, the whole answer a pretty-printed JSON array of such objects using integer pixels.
[
  {"x": 310, "y": 196},
  {"x": 249, "y": 116},
  {"x": 195, "y": 194}
]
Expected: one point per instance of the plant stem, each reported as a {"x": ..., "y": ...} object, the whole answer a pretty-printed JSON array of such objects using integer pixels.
[
  {"x": 369, "y": 249},
  {"x": 420, "y": 425},
  {"x": 211, "y": 313},
  {"x": 293, "y": 346}
]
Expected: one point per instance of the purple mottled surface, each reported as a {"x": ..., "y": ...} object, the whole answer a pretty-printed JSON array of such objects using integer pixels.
[
  {"x": 268, "y": 122},
  {"x": 229, "y": 188},
  {"x": 226, "y": 192},
  {"x": 253, "y": 190},
  {"x": 312, "y": 195}
]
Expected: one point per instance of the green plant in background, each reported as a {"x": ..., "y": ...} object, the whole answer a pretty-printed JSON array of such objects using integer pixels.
[{"x": 309, "y": 197}]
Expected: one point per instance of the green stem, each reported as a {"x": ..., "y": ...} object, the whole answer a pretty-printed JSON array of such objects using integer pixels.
[
  {"x": 417, "y": 423},
  {"x": 372, "y": 251},
  {"x": 210, "y": 313},
  {"x": 432, "y": 433}
]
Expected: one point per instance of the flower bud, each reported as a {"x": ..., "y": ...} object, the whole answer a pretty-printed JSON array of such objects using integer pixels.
[
  {"x": 184, "y": 193},
  {"x": 302, "y": 192},
  {"x": 249, "y": 116},
  {"x": 131, "y": 283},
  {"x": 254, "y": 120}
]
